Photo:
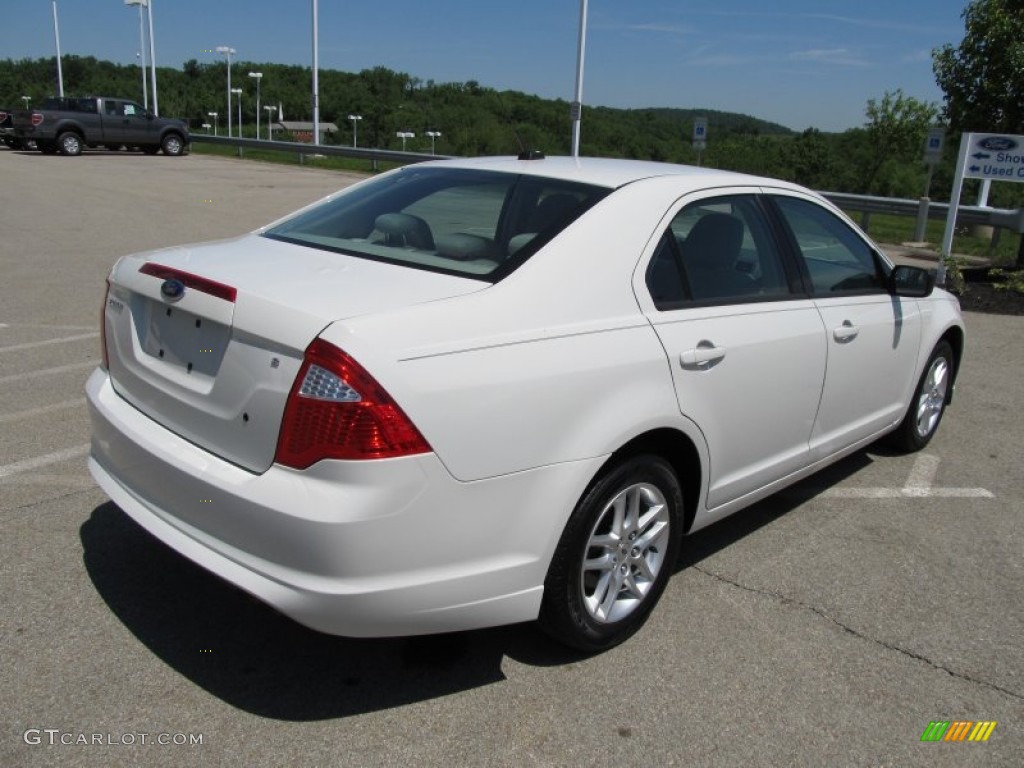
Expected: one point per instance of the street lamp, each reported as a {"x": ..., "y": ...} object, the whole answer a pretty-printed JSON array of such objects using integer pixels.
[
  {"x": 239, "y": 92},
  {"x": 576, "y": 108},
  {"x": 141, "y": 47},
  {"x": 257, "y": 76},
  {"x": 403, "y": 135},
  {"x": 433, "y": 135},
  {"x": 27, "y": 100},
  {"x": 355, "y": 128},
  {"x": 270, "y": 125},
  {"x": 56, "y": 40},
  {"x": 207, "y": 126},
  {"x": 229, "y": 52},
  {"x": 214, "y": 116}
]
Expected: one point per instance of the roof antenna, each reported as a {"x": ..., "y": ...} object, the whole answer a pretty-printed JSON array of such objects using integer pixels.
[{"x": 508, "y": 122}]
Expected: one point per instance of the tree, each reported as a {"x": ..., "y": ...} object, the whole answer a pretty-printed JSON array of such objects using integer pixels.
[
  {"x": 981, "y": 78},
  {"x": 896, "y": 129}
]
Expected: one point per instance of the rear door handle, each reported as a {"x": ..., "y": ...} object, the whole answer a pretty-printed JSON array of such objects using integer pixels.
[
  {"x": 846, "y": 332},
  {"x": 704, "y": 356}
]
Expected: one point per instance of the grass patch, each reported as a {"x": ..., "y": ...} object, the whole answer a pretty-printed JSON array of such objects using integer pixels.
[{"x": 886, "y": 228}]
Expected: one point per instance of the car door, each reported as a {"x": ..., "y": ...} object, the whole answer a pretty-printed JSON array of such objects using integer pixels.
[
  {"x": 872, "y": 335},
  {"x": 138, "y": 124},
  {"x": 746, "y": 349}
]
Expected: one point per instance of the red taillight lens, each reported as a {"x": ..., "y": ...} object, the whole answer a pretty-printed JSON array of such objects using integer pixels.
[
  {"x": 336, "y": 410},
  {"x": 37, "y": 118}
]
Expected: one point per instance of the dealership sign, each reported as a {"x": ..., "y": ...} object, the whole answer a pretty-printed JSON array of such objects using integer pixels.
[{"x": 992, "y": 156}]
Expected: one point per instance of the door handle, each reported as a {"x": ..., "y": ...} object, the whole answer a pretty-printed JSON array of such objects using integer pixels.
[
  {"x": 706, "y": 355},
  {"x": 846, "y": 332}
]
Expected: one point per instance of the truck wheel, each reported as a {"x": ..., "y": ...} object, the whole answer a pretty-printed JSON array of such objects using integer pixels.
[
  {"x": 70, "y": 143},
  {"x": 172, "y": 144}
]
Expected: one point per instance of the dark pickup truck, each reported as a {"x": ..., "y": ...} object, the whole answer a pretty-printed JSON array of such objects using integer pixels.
[
  {"x": 7, "y": 130},
  {"x": 68, "y": 125}
]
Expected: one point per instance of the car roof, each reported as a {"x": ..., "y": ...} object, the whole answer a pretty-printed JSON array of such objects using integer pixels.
[{"x": 609, "y": 172}]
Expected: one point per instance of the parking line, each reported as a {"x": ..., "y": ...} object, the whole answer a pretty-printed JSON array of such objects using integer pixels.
[
  {"x": 41, "y": 410},
  {"x": 47, "y": 342},
  {"x": 48, "y": 371},
  {"x": 27, "y": 465},
  {"x": 918, "y": 485}
]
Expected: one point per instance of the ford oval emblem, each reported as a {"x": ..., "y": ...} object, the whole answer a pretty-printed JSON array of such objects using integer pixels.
[
  {"x": 172, "y": 290},
  {"x": 998, "y": 143}
]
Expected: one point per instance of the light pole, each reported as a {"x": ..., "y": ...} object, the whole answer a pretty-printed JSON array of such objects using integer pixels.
[
  {"x": 257, "y": 76},
  {"x": 142, "y": 49},
  {"x": 433, "y": 135},
  {"x": 228, "y": 51},
  {"x": 316, "y": 76},
  {"x": 576, "y": 109},
  {"x": 403, "y": 135},
  {"x": 152, "y": 58},
  {"x": 355, "y": 128},
  {"x": 27, "y": 100},
  {"x": 214, "y": 116},
  {"x": 56, "y": 40},
  {"x": 238, "y": 91},
  {"x": 270, "y": 125},
  {"x": 207, "y": 126}
]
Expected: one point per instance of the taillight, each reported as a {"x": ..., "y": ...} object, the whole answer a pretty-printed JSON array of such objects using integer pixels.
[
  {"x": 336, "y": 410},
  {"x": 105, "y": 358},
  {"x": 37, "y": 118}
]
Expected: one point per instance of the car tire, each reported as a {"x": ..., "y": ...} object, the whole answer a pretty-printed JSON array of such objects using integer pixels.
[
  {"x": 172, "y": 144},
  {"x": 69, "y": 143},
  {"x": 929, "y": 402},
  {"x": 615, "y": 555}
]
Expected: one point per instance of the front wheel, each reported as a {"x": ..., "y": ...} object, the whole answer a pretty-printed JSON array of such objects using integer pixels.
[
  {"x": 172, "y": 144},
  {"x": 615, "y": 555},
  {"x": 70, "y": 143},
  {"x": 929, "y": 401}
]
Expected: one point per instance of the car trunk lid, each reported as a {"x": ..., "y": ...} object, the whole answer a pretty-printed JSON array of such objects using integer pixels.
[{"x": 207, "y": 340}]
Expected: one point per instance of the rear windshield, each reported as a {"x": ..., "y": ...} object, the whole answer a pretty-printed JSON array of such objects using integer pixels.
[{"x": 471, "y": 223}]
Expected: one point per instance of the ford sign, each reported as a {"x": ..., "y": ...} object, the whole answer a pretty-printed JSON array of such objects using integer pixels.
[
  {"x": 172, "y": 290},
  {"x": 997, "y": 143}
]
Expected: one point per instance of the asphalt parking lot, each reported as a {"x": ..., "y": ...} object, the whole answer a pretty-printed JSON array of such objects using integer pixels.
[{"x": 828, "y": 625}]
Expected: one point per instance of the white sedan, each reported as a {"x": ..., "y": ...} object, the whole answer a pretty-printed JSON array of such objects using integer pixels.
[{"x": 476, "y": 392}]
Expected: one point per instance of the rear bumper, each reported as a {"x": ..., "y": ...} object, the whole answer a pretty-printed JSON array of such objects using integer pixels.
[{"x": 374, "y": 548}]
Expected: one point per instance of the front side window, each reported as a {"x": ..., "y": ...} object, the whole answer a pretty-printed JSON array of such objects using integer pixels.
[
  {"x": 717, "y": 250},
  {"x": 472, "y": 223},
  {"x": 837, "y": 260}
]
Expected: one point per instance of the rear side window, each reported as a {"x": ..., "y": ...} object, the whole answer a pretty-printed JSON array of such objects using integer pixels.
[
  {"x": 717, "y": 250},
  {"x": 836, "y": 259},
  {"x": 472, "y": 223}
]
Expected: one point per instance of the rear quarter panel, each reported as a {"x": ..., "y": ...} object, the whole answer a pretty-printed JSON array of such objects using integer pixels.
[{"x": 555, "y": 363}]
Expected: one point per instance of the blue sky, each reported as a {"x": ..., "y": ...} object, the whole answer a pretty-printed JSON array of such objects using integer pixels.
[{"x": 801, "y": 63}]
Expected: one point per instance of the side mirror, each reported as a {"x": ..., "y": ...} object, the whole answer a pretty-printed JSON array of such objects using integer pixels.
[{"x": 912, "y": 282}]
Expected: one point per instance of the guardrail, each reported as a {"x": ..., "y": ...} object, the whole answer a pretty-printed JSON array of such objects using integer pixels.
[
  {"x": 922, "y": 209},
  {"x": 303, "y": 149}
]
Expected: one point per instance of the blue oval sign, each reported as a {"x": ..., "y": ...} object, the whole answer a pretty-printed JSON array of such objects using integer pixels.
[
  {"x": 998, "y": 143},
  {"x": 172, "y": 290}
]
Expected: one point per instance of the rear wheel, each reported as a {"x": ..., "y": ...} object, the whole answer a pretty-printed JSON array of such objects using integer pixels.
[
  {"x": 69, "y": 143},
  {"x": 172, "y": 144},
  {"x": 615, "y": 555},
  {"x": 929, "y": 401}
]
